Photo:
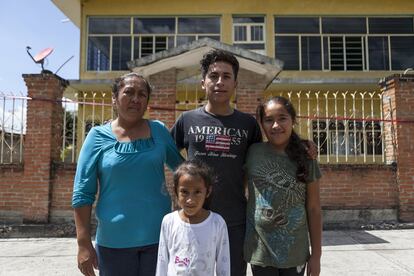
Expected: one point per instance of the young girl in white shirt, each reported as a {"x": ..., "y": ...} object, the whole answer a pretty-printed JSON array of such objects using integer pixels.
[{"x": 193, "y": 240}]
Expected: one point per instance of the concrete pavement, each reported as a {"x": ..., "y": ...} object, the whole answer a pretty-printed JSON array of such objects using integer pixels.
[{"x": 378, "y": 252}]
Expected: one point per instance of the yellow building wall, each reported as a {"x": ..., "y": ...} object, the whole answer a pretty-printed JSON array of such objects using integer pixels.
[{"x": 227, "y": 8}]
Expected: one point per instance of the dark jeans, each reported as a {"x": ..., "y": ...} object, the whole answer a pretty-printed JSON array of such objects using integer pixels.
[
  {"x": 274, "y": 271},
  {"x": 134, "y": 261},
  {"x": 236, "y": 240}
]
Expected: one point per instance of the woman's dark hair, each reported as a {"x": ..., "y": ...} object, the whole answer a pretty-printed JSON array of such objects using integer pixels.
[
  {"x": 195, "y": 168},
  {"x": 119, "y": 82},
  {"x": 219, "y": 55},
  {"x": 295, "y": 149}
]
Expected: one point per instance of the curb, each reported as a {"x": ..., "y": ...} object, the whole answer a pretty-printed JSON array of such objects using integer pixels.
[
  {"x": 37, "y": 231},
  {"x": 384, "y": 225},
  {"x": 69, "y": 230}
]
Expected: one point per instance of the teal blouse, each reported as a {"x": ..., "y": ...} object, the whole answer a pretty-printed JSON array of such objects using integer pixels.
[{"x": 130, "y": 181}]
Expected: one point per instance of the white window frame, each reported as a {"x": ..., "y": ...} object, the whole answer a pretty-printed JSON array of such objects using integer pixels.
[
  {"x": 363, "y": 51},
  {"x": 249, "y": 36},
  {"x": 249, "y": 33},
  {"x": 364, "y": 40},
  {"x": 111, "y": 36},
  {"x": 139, "y": 36}
]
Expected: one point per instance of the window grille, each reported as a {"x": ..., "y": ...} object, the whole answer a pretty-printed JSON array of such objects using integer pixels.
[
  {"x": 346, "y": 53},
  {"x": 352, "y": 138},
  {"x": 12, "y": 128}
]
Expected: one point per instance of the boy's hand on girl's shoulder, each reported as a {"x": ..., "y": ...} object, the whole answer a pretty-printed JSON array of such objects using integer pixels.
[{"x": 311, "y": 149}]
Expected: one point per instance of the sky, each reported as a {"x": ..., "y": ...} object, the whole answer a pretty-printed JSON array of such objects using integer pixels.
[{"x": 38, "y": 24}]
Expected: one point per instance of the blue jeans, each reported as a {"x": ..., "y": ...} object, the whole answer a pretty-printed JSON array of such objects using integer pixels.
[{"x": 134, "y": 261}]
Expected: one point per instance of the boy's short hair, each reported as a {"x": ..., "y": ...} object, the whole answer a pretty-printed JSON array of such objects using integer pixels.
[{"x": 218, "y": 55}]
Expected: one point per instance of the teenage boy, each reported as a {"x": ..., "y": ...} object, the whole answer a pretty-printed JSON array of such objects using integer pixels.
[{"x": 220, "y": 136}]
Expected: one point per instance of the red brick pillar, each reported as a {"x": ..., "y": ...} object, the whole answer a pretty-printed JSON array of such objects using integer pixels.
[
  {"x": 250, "y": 91},
  {"x": 42, "y": 143},
  {"x": 163, "y": 97},
  {"x": 162, "y": 106},
  {"x": 398, "y": 104}
]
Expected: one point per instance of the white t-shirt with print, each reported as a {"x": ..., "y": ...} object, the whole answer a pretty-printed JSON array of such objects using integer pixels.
[{"x": 193, "y": 249}]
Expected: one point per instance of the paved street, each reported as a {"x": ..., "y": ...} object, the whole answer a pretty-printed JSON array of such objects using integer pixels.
[{"x": 380, "y": 252}]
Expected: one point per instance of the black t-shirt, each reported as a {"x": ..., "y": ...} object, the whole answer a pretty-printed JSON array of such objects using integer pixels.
[{"x": 222, "y": 143}]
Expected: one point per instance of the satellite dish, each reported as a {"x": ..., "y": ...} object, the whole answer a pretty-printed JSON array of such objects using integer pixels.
[{"x": 41, "y": 56}]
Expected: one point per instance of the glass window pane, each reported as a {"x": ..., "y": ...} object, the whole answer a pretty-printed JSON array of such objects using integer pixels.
[
  {"x": 160, "y": 25},
  {"x": 336, "y": 46},
  {"x": 326, "y": 54},
  {"x": 256, "y": 33},
  {"x": 402, "y": 52},
  {"x": 287, "y": 50},
  {"x": 250, "y": 46},
  {"x": 136, "y": 47},
  {"x": 109, "y": 25},
  {"x": 337, "y": 25},
  {"x": 200, "y": 25},
  {"x": 121, "y": 52},
  {"x": 354, "y": 56},
  {"x": 378, "y": 53},
  {"x": 171, "y": 42},
  {"x": 185, "y": 39},
  {"x": 306, "y": 25},
  {"x": 311, "y": 53},
  {"x": 257, "y": 19},
  {"x": 98, "y": 54},
  {"x": 390, "y": 25},
  {"x": 160, "y": 43},
  {"x": 147, "y": 46},
  {"x": 240, "y": 33}
]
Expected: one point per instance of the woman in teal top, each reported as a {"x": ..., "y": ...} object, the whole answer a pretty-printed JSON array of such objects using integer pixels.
[{"x": 124, "y": 162}]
